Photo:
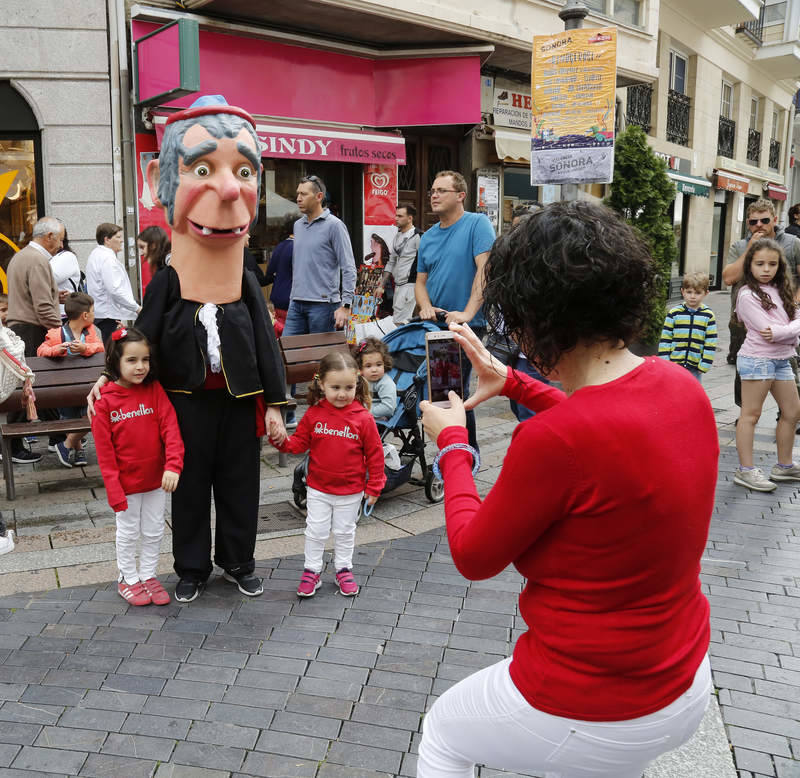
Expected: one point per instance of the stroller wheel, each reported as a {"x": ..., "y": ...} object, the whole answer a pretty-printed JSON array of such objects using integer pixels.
[{"x": 434, "y": 488}]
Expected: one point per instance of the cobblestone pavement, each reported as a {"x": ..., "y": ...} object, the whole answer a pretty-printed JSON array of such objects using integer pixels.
[{"x": 334, "y": 687}]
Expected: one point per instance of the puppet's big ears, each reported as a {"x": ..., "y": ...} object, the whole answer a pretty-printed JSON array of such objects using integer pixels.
[{"x": 153, "y": 177}]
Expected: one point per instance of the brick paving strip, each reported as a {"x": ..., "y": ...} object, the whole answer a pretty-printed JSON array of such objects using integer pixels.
[{"x": 335, "y": 688}]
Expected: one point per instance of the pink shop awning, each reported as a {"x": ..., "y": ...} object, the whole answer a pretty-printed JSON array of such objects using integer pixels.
[{"x": 330, "y": 143}]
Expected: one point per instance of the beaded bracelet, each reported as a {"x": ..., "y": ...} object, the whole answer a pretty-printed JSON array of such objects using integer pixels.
[{"x": 476, "y": 458}]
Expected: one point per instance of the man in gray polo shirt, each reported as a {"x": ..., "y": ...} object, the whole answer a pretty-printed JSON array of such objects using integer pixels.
[{"x": 322, "y": 253}]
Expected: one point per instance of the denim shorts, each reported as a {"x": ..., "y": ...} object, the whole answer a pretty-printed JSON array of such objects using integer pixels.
[{"x": 764, "y": 369}]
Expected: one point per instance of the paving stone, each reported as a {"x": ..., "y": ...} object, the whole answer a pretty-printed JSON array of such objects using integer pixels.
[
  {"x": 364, "y": 757},
  {"x": 25, "y": 713},
  {"x": 139, "y": 746},
  {"x": 49, "y": 760},
  {"x": 133, "y": 683},
  {"x": 386, "y": 716},
  {"x": 289, "y": 744},
  {"x": 266, "y": 698},
  {"x": 160, "y": 651},
  {"x": 104, "y": 765},
  {"x": 328, "y": 770},
  {"x": 156, "y": 726},
  {"x": 244, "y": 715},
  {"x": 172, "y": 770},
  {"x": 174, "y": 707},
  {"x": 306, "y": 724},
  {"x": 75, "y": 678},
  {"x": 258, "y": 679},
  {"x": 148, "y": 668},
  {"x": 91, "y": 664},
  {"x": 88, "y": 718},
  {"x": 371, "y": 735},
  {"x": 333, "y": 707},
  {"x": 7, "y": 753},
  {"x": 107, "y": 648},
  {"x": 753, "y": 760},
  {"x": 322, "y": 687},
  {"x": 270, "y": 766},
  {"x": 203, "y": 656},
  {"x": 12, "y": 691},
  {"x": 71, "y": 738},
  {"x": 337, "y": 672},
  {"x": 394, "y": 698},
  {"x": 223, "y": 734},
  {"x": 115, "y": 701},
  {"x": 208, "y": 755}
]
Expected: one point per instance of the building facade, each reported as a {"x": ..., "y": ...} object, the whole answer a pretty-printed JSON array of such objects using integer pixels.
[{"x": 57, "y": 150}]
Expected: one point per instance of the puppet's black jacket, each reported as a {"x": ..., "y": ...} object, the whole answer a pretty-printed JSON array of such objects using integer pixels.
[{"x": 250, "y": 355}]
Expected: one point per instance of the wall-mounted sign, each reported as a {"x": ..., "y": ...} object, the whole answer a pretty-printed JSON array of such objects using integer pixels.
[
  {"x": 731, "y": 182},
  {"x": 574, "y": 75},
  {"x": 170, "y": 58},
  {"x": 380, "y": 194},
  {"x": 512, "y": 108}
]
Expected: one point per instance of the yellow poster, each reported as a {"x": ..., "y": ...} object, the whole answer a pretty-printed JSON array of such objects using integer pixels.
[{"x": 573, "y": 83}]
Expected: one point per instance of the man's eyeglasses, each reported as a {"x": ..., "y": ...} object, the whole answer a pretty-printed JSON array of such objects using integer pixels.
[
  {"x": 763, "y": 220},
  {"x": 433, "y": 192}
]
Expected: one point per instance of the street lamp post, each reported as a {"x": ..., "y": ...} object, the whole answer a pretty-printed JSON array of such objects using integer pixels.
[{"x": 572, "y": 14}]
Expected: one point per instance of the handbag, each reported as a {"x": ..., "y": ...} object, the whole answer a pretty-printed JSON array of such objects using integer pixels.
[
  {"x": 13, "y": 370},
  {"x": 501, "y": 347}
]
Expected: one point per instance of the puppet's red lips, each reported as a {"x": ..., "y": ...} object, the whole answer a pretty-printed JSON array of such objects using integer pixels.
[{"x": 231, "y": 232}]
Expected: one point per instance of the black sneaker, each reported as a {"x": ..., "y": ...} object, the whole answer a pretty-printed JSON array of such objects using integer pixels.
[
  {"x": 23, "y": 457},
  {"x": 187, "y": 590},
  {"x": 248, "y": 583}
]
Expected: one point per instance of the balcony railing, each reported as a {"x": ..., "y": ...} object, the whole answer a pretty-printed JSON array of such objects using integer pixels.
[
  {"x": 678, "y": 106},
  {"x": 753, "y": 146},
  {"x": 774, "y": 154},
  {"x": 754, "y": 29},
  {"x": 726, "y": 137},
  {"x": 639, "y": 105}
]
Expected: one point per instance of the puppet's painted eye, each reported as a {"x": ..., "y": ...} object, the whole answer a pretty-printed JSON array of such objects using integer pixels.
[
  {"x": 245, "y": 171},
  {"x": 202, "y": 170}
]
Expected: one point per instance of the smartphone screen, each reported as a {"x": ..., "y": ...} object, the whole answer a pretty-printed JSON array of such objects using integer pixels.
[{"x": 444, "y": 369}]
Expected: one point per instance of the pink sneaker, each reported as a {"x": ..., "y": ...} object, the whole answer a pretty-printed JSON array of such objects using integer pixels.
[
  {"x": 156, "y": 591},
  {"x": 347, "y": 584},
  {"x": 309, "y": 583},
  {"x": 135, "y": 594}
]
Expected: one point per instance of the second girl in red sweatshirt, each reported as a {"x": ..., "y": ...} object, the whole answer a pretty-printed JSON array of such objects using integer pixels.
[{"x": 340, "y": 434}]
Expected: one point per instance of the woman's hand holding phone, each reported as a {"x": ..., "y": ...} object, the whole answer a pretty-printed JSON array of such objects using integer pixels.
[{"x": 435, "y": 418}]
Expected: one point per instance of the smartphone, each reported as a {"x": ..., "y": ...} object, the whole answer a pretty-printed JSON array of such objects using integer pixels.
[{"x": 443, "y": 359}]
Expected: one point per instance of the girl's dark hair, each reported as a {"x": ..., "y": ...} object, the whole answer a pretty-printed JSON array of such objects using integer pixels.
[
  {"x": 65, "y": 243},
  {"x": 339, "y": 360},
  {"x": 372, "y": 346},
  {"x": 116, "y": 348},
  {"x": 158, "y": 246},
  {"x": 782, "y": 280},
  {"x": 570, "y": 273}
]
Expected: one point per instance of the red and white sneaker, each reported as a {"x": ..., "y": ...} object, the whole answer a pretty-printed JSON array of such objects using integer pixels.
[
  {"x": 347, "y": 584},
  {"x": 309, "y": 583},
  {"x": 135, "y": 594},
  {"x": 158, "y": 594}
]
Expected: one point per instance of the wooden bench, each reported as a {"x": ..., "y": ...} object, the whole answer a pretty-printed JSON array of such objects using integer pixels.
[
  {"x": 301, "y": 356},
  {"x": 60, "y": 383}
]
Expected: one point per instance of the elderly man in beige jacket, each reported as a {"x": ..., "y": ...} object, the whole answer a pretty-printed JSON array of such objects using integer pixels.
[{"x": 33, "y": 303}]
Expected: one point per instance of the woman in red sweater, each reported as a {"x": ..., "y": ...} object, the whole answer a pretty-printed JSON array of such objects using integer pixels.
[{"x": 603, "y": 504}]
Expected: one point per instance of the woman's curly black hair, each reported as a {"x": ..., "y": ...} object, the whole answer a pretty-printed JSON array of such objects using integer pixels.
[{"x": 571, "y": 273}]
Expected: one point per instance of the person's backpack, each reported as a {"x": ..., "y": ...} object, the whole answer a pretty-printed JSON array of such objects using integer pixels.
[
  {"x": 412, "y": 274},
  {"x": 81, "y": 285}
]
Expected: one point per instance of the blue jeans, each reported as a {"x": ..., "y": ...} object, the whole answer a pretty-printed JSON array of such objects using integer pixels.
[
  {"x": 305, "y": 318},
  {"x": 523, "y": 366}
]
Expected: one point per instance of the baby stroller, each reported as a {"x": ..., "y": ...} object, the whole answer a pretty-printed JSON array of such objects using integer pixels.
[{"x": 406, "y": 344}]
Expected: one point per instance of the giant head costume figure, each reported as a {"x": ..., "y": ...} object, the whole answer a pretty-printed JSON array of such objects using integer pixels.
[{"x": 207, "y": 178}]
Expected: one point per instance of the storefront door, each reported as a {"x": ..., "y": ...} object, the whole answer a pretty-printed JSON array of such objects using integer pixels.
[
  {"x": 717, "y": 246},
  {"x": 425, "y": 157}
]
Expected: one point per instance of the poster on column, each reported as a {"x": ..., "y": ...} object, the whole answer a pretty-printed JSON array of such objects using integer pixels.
[
  {"x": 573, "y": 83},
  {"x": 380, "y": 194}
]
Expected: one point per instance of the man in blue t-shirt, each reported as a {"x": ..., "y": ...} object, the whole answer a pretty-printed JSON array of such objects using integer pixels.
[{"x": 451, "y": 260}]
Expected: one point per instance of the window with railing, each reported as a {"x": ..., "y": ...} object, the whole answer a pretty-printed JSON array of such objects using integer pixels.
[
  {"x": 639, "y": 106},
  {"x": 726, "y": 100},
  {"x": 774, "y": 154},
  {"x": 678, "y": 107},
  {"x": 726, "y": 136},
  {"x": 753, "y": 146},
  {"x": 753, "y": 29}
]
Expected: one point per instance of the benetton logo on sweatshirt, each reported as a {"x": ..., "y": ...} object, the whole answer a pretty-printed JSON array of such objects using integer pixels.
[
  {"x": 323, "y": 429},
  {"x": 140, "y": 411}
]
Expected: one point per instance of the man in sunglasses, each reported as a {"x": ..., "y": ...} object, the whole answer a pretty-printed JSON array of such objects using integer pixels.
[{"x": 762, "y": 223}]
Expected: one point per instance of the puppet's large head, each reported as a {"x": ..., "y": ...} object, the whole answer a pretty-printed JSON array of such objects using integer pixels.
[
  {"x": 207, "y": 179},
  {"x": 208, "y": 173}
]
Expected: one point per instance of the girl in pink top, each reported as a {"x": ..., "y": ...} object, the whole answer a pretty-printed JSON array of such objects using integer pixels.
[{"x": 766, "y": 306}]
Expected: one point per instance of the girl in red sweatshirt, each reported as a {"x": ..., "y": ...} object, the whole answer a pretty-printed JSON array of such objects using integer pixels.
[
  {"x": 140, "y": 453},
  {"x": 345, "y": 461}
]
